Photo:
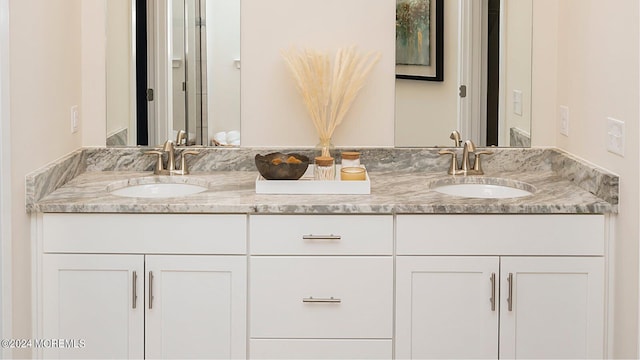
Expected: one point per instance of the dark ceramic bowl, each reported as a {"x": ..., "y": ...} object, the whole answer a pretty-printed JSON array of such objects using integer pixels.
[{"x": 276, "y": 166}]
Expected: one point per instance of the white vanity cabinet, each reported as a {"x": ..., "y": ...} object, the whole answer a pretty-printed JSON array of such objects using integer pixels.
[
  {"x": 129, "y": 286},
  {"x": 321, "y": 286},
  {"x": 500, "y": 286}
]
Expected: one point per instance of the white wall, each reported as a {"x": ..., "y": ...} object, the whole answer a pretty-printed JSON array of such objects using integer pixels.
[
  {"x": 596, "y": 74},
  {"x": 272, "y": 110},
  {"x": 45, "y": 76},
  {"x": 93, "y": 110},
  {"x": 6, "y": 320},
  {"x": 427, "y": 111},
  {"x": 598, "y": 64}
]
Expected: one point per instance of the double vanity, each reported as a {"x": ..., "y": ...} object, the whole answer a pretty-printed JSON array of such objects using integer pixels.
[{"x": 511, "y": 264}]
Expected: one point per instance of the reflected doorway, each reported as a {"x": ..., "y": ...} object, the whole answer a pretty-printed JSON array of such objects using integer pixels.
[
  {"x": 493, "y": 71},
  {"x": 181, "y": 23}
]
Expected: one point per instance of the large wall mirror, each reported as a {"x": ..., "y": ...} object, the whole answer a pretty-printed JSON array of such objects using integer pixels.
[
  {"x": 487, "y": 51},
  {"x": 173, "y": 67},
  {"x": 196, "y": 83}
]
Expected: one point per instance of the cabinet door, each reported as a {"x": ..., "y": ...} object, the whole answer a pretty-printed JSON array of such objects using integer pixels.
[
  {"x": 446, "y": 307},
  {"x": 96, "y": 303},
  {"x": 557, "y": 307},
  {"x": 196, "y": 307}
]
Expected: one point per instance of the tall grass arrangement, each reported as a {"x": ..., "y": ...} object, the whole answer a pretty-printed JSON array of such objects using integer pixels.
[{"x": 329, "y": 91}]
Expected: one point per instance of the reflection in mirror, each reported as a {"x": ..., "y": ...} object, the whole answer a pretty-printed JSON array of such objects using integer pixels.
[
  {"x": 426, "y": 112},
  {"x": 120, "y": 79},
  {"x": 487, "y": 49},
  {"x": 194, "y": 88}
]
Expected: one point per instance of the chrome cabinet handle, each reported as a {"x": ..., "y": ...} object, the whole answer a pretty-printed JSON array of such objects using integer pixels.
[
  {"x": 135, "y": 290},
  {"x": 330, "y": 300},
  {"x": 321, "y": 237},
  {"x": 510, "y": 298},
  {"x": 150, "y": 289},
  {"x": 493, "y": 292}
]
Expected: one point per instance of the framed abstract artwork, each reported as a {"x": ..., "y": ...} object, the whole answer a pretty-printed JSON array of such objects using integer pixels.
[{"x": 419, "y": 39}]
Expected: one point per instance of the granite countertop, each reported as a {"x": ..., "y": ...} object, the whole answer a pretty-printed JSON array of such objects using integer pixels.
[
  {"x": 391, "y": 192},
  {"x": 401, "y": 182}
]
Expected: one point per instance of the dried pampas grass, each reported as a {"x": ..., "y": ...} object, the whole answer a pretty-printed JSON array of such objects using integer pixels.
[{"x": 327, "y": 91}]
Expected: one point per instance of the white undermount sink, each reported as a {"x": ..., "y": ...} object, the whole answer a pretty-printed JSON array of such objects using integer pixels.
[
  {"x": 159, "y": 190},
  {"x": 486, "y": 188}
]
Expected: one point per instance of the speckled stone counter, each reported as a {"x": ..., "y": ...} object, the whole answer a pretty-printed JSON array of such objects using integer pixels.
[{"x": 401, "y": 182}]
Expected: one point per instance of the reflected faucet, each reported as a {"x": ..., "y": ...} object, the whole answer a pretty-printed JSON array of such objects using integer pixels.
[
  {"x": 455, "y": 136},
  {"x": 181, "y": 138}
]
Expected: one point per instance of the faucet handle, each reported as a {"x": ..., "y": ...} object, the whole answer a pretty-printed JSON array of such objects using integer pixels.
[
  {"x": 183, "y": 162},
  {"x": 477, "y": 167},
  {"x": 453, "y": 166},
  {"x": 158, "y": 168}
]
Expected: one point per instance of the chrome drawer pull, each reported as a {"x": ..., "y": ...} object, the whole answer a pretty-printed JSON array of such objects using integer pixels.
[
  {"x": 321, "y": 237},
  {"x": 493, "y": 291},
  {"x": 330, "y": 300},
  {"x": 510, "y": 298},
  {"x": 150, "y": 290},
  {"x": 135, "y": 290}
]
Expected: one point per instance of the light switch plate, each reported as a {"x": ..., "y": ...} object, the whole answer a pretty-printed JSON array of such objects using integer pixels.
[
  {"x": 615, "y": 136},
  {"x": 517, "y": 102},
  {"x": 75, "y": 119},
  {"x": 564, "y": 120}
]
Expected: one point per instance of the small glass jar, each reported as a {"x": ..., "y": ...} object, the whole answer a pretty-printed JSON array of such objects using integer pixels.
[
  {"x": 352, "y": 173},
  {"x": 350, "y": 159},
  {"x": 325, "y": 148},
  {"x": 325, "y": 168}
]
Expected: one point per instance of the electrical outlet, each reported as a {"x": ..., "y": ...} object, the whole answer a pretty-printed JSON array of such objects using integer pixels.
[
  {"x": 75, "y": 119},
  {"x": 517, "y": 102},
  {"x": 615, "y": 136},
  {"x": 564, "y": 120}
]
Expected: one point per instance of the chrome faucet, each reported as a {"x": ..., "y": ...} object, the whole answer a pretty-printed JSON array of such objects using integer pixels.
[
  {"x": 469, "y": 147},
  {"x": 170, "y": 169},
  {"x": 465, "y": 166},
  {"x": 169, "y": 148}
]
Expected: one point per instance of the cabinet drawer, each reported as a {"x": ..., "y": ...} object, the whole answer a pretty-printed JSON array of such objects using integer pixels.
[
  {"x": 287, "y": 294},
  {"x": 500, "y": 235},
  {"x": 321, "y": 234},
  {"x": 320, "y": 349},
  {"x": 144, "y": 233}
]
